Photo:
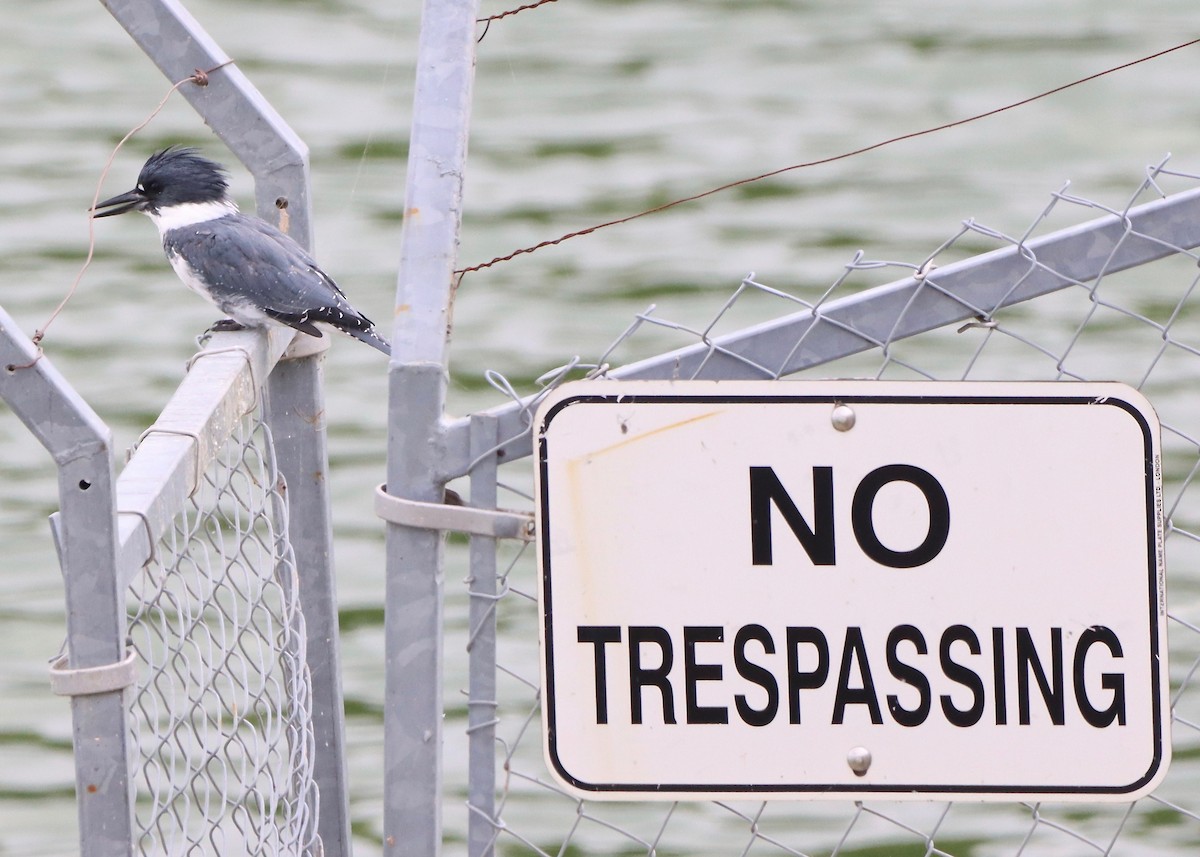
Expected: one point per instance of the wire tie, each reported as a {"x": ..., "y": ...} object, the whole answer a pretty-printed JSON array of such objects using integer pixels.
[
  {"x": 149, "y": 533},
  {"x": 179, "y": 433},
  {"x": 228, "y": 349},
  {"x": 980, "y": 321},
  {"x": 924, "y": 271}
]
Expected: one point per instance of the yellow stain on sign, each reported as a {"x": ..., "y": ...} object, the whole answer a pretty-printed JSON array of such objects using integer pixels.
[
  {"x": 646, "y": 435},
  {"x": 582, "y": 513}
]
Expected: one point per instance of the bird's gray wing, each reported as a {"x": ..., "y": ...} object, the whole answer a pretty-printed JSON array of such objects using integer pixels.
[{"x": 246, "y": 261}]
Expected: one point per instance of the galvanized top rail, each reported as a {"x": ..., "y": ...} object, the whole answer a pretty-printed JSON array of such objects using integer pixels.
[{"x": 225, "y": 382}]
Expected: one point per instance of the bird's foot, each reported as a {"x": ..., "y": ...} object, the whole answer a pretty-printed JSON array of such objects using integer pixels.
[
  {"x": 222, "y": 325},
  {"x": 225, "y": 324}
]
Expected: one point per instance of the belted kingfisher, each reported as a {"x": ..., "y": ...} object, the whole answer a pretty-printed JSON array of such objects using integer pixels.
[{"x": 244, "y": 265}]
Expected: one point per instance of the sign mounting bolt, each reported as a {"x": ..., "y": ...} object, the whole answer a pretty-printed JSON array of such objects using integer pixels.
[
  {"x": 843, "y": 417},
  {"x": 859, "y": 760}
]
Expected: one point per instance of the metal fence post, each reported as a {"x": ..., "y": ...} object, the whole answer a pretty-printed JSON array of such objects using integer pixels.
[
  {"x": 481, "y": 646},
  {"x": 417, "y": 390},
  {"x": 81, "y": 446}
]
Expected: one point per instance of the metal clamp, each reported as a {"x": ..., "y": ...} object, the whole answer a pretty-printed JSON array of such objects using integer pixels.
[
  {"x": 496, "y": 523},
  {"x": 65, "y": 681}
]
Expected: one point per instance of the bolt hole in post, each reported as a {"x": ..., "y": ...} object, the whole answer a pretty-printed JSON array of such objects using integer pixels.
[
  {"x": 84, "y": 484},
  {"x": 285, "y": 217}
]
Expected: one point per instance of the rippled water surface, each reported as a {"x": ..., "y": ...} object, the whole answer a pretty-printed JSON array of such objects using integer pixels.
[{"x": 585, "y": 111}]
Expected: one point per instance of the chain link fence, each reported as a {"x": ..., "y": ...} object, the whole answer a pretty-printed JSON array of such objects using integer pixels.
[
  {"x": 221, "y": 713},
  {"x": 1117, "y": 320}
]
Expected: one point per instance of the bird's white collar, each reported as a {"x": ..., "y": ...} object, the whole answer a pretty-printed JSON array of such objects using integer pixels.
[{"x": 189, "y": 214}]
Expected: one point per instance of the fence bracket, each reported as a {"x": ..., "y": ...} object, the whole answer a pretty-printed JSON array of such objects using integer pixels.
[
  {"x": 496, "y": 523},
  {"x": 65, "y": 681}
]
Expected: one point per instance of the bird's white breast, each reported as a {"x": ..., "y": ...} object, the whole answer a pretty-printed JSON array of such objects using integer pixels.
[
  {"x": 188, "y": 275},
  {"x": 243, "y": 311}
]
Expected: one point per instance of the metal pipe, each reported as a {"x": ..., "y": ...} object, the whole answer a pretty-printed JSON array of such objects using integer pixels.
[{"x": 417, "y": 393}]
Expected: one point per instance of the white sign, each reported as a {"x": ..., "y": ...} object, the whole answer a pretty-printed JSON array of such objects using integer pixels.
[{"x": 852, "y": 590}]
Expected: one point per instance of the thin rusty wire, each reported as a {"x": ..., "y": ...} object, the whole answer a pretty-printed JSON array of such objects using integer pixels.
[
  {"x": 487, "y": 22},
  {"x": 511, "y": 12},
  {"x": 198, "y": 77},
  {"x": 461, "y": 272}
]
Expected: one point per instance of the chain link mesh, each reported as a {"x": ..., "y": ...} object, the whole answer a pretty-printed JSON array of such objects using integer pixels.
[
  {"x": 1140, "y": 326},
  {"x": 220, "y": 715}
]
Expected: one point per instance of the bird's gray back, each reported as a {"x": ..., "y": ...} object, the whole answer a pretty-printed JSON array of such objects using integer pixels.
[{"x": 242, "y": 258}]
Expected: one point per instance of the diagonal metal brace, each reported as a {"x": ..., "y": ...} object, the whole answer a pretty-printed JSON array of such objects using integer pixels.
[{"x": 496, "y": 523}]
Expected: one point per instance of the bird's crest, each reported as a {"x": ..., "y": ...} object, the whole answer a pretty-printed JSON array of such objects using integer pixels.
[{"x": 180, "y": 174}]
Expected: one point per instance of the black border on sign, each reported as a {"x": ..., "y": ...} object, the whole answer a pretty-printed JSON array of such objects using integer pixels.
[{"x": 750, "y": 790}]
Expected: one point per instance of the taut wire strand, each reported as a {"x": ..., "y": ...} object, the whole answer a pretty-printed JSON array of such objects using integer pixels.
[{"x": 819, "y": 162}]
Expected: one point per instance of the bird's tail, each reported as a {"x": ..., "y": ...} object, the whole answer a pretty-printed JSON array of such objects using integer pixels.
[{"x": 372, "y": 338}]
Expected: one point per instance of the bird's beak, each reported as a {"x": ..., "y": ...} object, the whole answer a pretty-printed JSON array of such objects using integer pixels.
[{"x": 133, "y": 200}]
